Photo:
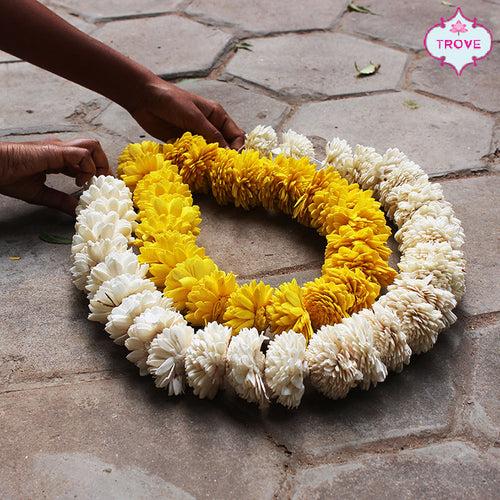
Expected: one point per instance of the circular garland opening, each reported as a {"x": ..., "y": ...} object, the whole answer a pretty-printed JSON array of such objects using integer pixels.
[{"x": 332, "y": 330}]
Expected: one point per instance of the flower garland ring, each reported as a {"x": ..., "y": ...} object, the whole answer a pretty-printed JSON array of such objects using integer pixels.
[{"x": 135, "y": 255}]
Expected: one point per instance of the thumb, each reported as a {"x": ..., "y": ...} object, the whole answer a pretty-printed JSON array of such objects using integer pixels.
[{"x": 52, "y": 198}]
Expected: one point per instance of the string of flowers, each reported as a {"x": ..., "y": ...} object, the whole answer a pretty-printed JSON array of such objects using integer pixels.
[{"x": 356, "y": 340}]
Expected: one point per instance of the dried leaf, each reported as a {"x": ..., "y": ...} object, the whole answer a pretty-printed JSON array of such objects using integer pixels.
[
  {"x": 368, "y": 70},
  {"x": 14, "y": 257},
  {"x": 352, "y": 7},
  {"x": 56, "y": 239},
  {"x": 411, "y": 104},
  {"x": 242, "y": 46},
  {"x": 446, "y": 4}
]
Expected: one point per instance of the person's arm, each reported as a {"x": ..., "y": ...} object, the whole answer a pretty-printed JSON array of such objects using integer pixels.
[{"x": 35, "y": 34}]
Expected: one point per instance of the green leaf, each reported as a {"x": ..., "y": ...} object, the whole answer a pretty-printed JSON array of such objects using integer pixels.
[
  {"x": 368, "y": 70},
  {"x": 352, "y": 7},
  {"x": 411, "y": 104},
  {"x": 56, "y": 239},
  {"x": 242, "y": 46}
]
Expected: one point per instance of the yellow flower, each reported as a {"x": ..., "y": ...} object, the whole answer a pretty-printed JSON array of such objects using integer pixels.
[
  {"x": 184, "y": 276},
  {"x": 134, "y": 151},
  {"x": 166, "y": 252},
  {"x": 174, "y": 151},
  {"x": 364, "y": 291},
  {"x": 326, "y": 302},
  {"x": 245, "y": 188},
  {"x": 246, "y": 307},
  {"x": 347, "y": 237},
  {"x": 287, "y": 311},
  {"x": 195, "y": 164},
  {"x": 168, "y": 214},
  {"x": 132, "y": 172},
  {"x": 363, "y": 257},
  {"x": 207, "y": 299},
  {"x": 163, "y": 181},
  {"x": 221, "y": 176}
]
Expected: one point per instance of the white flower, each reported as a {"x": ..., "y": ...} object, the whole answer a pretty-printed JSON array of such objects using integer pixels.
[
  {"x": 166, "y": 358},
  {"x": 145, "y": 328},
  {"x": 420, "y": 320},
  {"x": 245, "y": 365},
  {"x": 286, "y": 367},
  {"x": 112, "y": 292},
  {"x": 121, "y": 317},
  {"x": 364, "y": 161},
  {"x": 114, "y": 264},
  {"x": 295, "y": 145},
  {"x": 124, "y": 208},
  {"x": 332, "y": 369},
  {"x": 388, "y": 337},
  {"x": 206, "y": 359},
  {"x": 442, "y": 300},
  {"x": 419, "y": 229},
  {"x": 445, "y": 265},
  {"x": 357, "y": 335},
  {"x": 439, "y": 208},
  {"x": 339, "y": 155},
  {"x": 104, "y": 186},
  {"x": 373, "y": 170},
  {"x": 407, "y": 172},
  {"x": 402, "y": 201},
  {"x": 262, "y": 139},
  {"x": 94, "y": 226}
]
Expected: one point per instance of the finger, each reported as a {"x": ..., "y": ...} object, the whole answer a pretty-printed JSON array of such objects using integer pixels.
[
  {"x": 201, "y": 125},
  {"x": 157, "y": 127},
  {"x": 97, "y": 153},
  {"x": 79, "y": 162},
  {"x": 52, "y": 198},
  {"x": 220, "y": 119}
]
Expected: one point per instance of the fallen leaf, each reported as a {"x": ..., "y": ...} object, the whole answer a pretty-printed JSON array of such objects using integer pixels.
[
  {"x": 242, "y": 46},
  {"x": 411, "y": 104},
  {"x": 352, "y": 7},
  {"x": 368, "y": 70},
  {"x": 446, "y": 4},
  {"x": 15, "y": 257},
  {"x": 55, "y": 239}
]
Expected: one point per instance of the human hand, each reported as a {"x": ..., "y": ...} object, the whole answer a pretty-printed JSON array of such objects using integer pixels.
[
  {"x": 24, "y": 168},
  {"x": 166, "y": 111}
]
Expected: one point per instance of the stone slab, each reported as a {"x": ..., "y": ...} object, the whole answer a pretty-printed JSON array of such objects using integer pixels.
[
  {"x": 170, "y": 46},
  {"x": 44, "y": 333},
  {"x": 246, "y": 107},
  {"x": 482, "y": 408},
  {"x": 113, "y": 9},
  {"x": 22, "y": 86},
  {"x": 405, "y": 24},
  {"x": 445, "y": 470},
  {"x": 260, "y": 16},
  {"x": 316, "y": 65},
  {"x": 256, "y": 243},
  {"x": 441, "y": 137},
  {"x": 476, "y": 85},
  {"x": 474, "y": 201},
  {"x": 125, "y": 439},
  {"x": 420, "y": 401}
]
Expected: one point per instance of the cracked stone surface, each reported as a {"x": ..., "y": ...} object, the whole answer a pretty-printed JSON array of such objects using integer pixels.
[
  {"x": 196, "y": 46},
  {"x": 316, "y": 64},
  {"x": 110, "y": 9},
  {"x": 77, "y": 419},
  {"x": 473, "y": 87},
  {"x": 473, "y": 200},
  {"x": 261, "y": 16},
  {"x": 393, "y": 19},
  {"x": 451, "y": 469},
  {"x": 441, "y": 137},
  {"x": 22, "y": 86}
]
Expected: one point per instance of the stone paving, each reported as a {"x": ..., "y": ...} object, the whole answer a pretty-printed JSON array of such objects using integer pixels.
[{"x": 76, "y": 418}]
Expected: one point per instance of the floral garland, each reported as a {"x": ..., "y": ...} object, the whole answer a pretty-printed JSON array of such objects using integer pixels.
[{"x": 356, "y": 340}]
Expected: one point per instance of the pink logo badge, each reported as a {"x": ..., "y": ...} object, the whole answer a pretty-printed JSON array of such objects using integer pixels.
[{"x": 458, "y": 41}]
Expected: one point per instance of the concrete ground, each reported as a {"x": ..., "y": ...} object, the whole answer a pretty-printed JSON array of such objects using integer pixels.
[{"x": 76, "y": 419}]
